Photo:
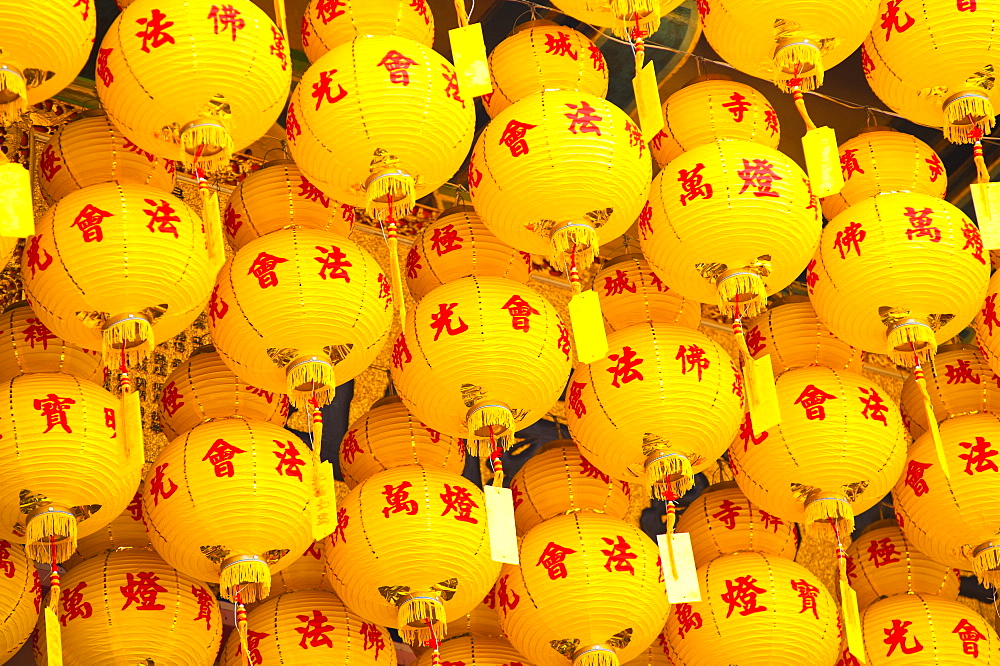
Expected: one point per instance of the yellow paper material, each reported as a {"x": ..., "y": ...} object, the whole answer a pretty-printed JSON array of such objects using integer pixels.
[
  {"x": 647, "y": 102},
  {"x": 684, "y": 588},
  {"x": 500, "y": 521},
  {"x": 823, "y": 161},
  {"x": 17, "y": 216},
  {"x": 323, "y": 506},
  {"x": 852, "y": 620},
  {"x": 762, "y": 396},
  {"x": 986, "y": 199},
  {"x": 468, "y": 50},
  {"x": 53, "y": 638},
  {"x": 588, "y": 327}
]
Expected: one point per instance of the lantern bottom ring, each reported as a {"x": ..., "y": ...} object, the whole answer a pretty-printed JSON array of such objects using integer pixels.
[
  {"x": 490, "y": 425},
  {"x": 595, "y": 655},
  {"x": 827, "y": 508},
  {"x": 573, "y": 244},
  {"x": 13, "y": 93},
  {"x": 743, "y": 288},
  {"x": 669, "y": 473},
  {"x": 986, "y": 563},
  {"x": 51, "y": 532},
  {"x": 310, "y": 376},
  {"x": 421, "y": 617},
  {"x": 206, "y": 143},
  {"x": 245, "y": 579},
  {"x": 908, "y": 338},
  {"x": 967, "y": 110},
  {"x": 801, "y": 61}
]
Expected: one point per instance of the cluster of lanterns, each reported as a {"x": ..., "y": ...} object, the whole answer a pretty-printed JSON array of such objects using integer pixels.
[{"x": 147, "y": 556}]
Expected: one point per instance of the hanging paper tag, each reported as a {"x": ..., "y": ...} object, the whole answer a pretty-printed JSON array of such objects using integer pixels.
[
  {"x": 823, "y": 161},
  {"x": 647, "y": 102},
  {"x": 684, "y": 588},
  {"x": 323, "y": 506},
  {"x": 986, "y": 199},
  {"x": 17, "y": 215},
  {"x": 762, "y": 396},
  {"x": 500, "y": 521},
  {"x": 468, "y": 50},
  {"x": 852, "y": 620},
  {"x": 588, "y": 326},
  {"x": 53, "y": 639}
]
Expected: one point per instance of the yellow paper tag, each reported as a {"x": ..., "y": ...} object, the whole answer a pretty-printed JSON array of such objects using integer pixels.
[
  {"x": 588, "y": 326},
  {"x": 683, "y": 589},
  {"x": 852, "y": 620},
  {"x": 468, "y": 50},
  {"x": 323, "y": 506},
  {"x": 986, "y": 199},
  {"x": 500, "y": 522},
  {"x": 762, "y": 396},
  {"x": 17, "y": 214},
  {"x": 53, "y": 638},
  {"x": 647, "y": 102},
  {"x": 823, "y": 161}
]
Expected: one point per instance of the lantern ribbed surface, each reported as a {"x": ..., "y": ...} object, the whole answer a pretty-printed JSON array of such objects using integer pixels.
[
  {"x": 204, "y": 388},
  {"x": 279, "y": 195},
  {"x": 474, "y": 651},
  {"x": 721, "y": 520},
  {"x": 631, "y": 293},
  {"x": 412, "y": 532},
  {"x": 326, "y": 26},
  {"x": 541, "y": 55},
  {"x": 622, "y": 22},
  {"x": 482, "y": 621},
  {"x": 227, "y": 492},
  {"x": 387, "y": 436},
  {"x": 911, "y": 264},
  {"x": 129, "y": 606},
  {"x": 585, "y": 579},
  {"x": 689, "y": 237},
  {"x": 839, "y": 449},
  {"x": 987, "y": 325},
  {"x": 126, "y": 531},
  {"x": 307, "y": 572},
  {"x": 190, "y": 80},
  {"x": 657, "y": 654},
  {"x": 458, "y": 245},
  {"x": 27, "y": 345},
  {"x": 881, "y": 160},
  {"x": 559, "y": 479},
  {"x": 901, "y": 97},
  {"x": 20, "y": 598},
  {"x": 713, "y": 108},
  {"x": 664, "y": 395}
]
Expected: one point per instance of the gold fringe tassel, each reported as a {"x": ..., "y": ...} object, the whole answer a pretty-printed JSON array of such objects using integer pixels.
[
  {"x": 134, "y": 333},
  {"x": 485, "y": 418},
  {"x": 247, "y": 576},
  {"x": 932, "y": 424},
  {"x": 308, "y": 378},
  {"x": 745, "y": 290},
  {"x": 201, "y": 135},
  {"x": 399, "y": 186},
  {"x": 986, "y": 564},
  {"x": 578, "y": 240},
  {"x": 803, "y": 57},
  {"x": 638, "y": 18},
  {"x": 965, "y": 111},
  {"x": 53, "y": 634},
  {"x": 51, "y": 535},
  {"x": 419, "y": 617},
  {"x": 909, "y": 340},
  {"x": 213, "y": 224},
  {"x": 822, "y": 507},
  {"x": 13, "y": 95},
  {"x": 241, "y": 630},
  {"x": 131, "y": 420},
  {"x": 392, "y": 241},
  {"x": 596, "y": 655},
  {"x": 668, "y": 474}
]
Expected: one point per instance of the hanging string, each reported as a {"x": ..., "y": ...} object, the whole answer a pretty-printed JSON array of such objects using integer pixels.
[{"x": 496, "y": 457}]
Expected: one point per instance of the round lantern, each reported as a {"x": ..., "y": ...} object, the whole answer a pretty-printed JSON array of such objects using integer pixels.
[
  {"x": 897, "y": 274},
  {"x": 128, "y": 530},
  {"x": 631, "y": 18},
  {"x": 882, "y": 562},
  {"x": 920, "y": 106},
  {"x": 20, "y": 598},
  {"x": 63, "y": 460},
  {"x": 473, "y": 651},
  {"x": 92, "y": 150},
  {"x": 756, "y": 610},
  {"x": 300, "y": 311},
  {"x": 691, "y": 242},
  {"x": 541, "y": 55},
  {"x": 631, "y": 293},
  {"x": 276, "y": 196},
  {"x": 27, "y": 345},
  {"x": 193, "y": 80},
  {"x": 411, "y": 548},
  {"x": 242, "y": 509},
  {"x": 130, "y": 607},
  {"x": 557, "y": 480},
  {"x": 926, "y": 629},
  {"x": 46, "y": 44},
  {"x": 481, "y": 621},
  {"x": 379, "y": 120},
  {"x": 663, "y": 405},
  {"x": 204, "y": 388},
  {"x": 308, "y": 572},
  {"x": 326, "y": 26},
  {"x": 458, "y": 245},
  {"x": 789, "y": 42},
  {"x": 657, "y": 654},
  {"x": 560, "y": 173},
  {"x": 480, "y": 358},
  {"x": 388, "y": 435},
  {"x": 117, "y": 265},
  {"x": 987, "y": 325},
  {"x": 711, "y": 108},
  {"x": 721, "y": 520},
  {"x": 881, "y": 160}
]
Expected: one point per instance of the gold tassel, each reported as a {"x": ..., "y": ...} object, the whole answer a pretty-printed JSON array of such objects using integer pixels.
[
  {"x": 241, "y": 630},
  {"x": 397, "y": 277},
  {"x": 849, "y": 613},
  {"x": 967, "y": 111},
  {"x": 982, "y": 171},
  {"x": 745, "y": 289},
  {"x": 668, "y": 473},
  {"x": 310, "y": 377},
  {"x": 53, "y": 634},
  {"x": 823, "y": 508},
  {"x": 637, "y": 18},
  {"x": 932, "y": 423},
  {"x": 198, "y": 136},
  {"x": 246, "y": 575},
  {"x": 213, "y": 224},
  {"x": 51, "y": 534},
  {"x": 131, "y": 419},
  {"x": 803, "y": 60},
  {"x": 393, "y": 187},
  {"x": 671, "y": 522},
  {"x": 986, "y": 563},
  {"x": 323, "y": 506},
  {"x": 132, "y": 332},
  {"x": 489, "y": 424},
  {"x": 573, "y": 242},
  {"x": 13, "y": 95},
  {"x": 909, "y": 339},
  {"x": 419, "y": 617},
  {"x": 596, "y": 655}
]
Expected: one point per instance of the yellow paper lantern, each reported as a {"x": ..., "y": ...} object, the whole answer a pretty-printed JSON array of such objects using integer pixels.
[
  {"x": 689, "y": 238},
  {"x": 481, "y": 621},
  {"x": 926, "y": 629},
  {"x": 881, "y": 160},
  {"x": 46, "y": 44},
  {"x": 898, "y": 274},
  {"x": 63, "y": 460},
  {"x": 92, "y": 150},
  {"x": 987, "y": 325},
  {"x": 756, "y": 610},
  {"x": 20, "y": 598},
  {"x": 193, "y": 80},
  {"x": 559, "y": 479},
  {"x": 27, "y": 345},
  {"x": 541, "y": 55},
  {"x": 662, "y": 406},
  {"x": 300, "y": 311},
  {"x": 308, "y": 572},
  {"x": 589, "y": 589},
  {"x": 410, "y": 549},
  {"x": 721, "y": 520},
  {"x": 387, "y": 436},
  {"x": 480, "y": 358},
  {"x": 838, "y": 450},
  {"x": 203, "y": 388},
  {"x": 326, "y": 25},
  {"x": 629, "y": 18},
  {"x": 128, "y": 530},
  {"x": 631, "y": 293},
  {"x": 711, "y": 108},
  {"x": 116, "y": 265},
  {"x": 379, "y": 118},
  {"x": 657, "y": 654},
  {"x": 276, "y": 196},
  {"x": 474, "y": 651},
  {"x": 560, "y": 172},
  {"x": 787, "y": 40},
  {"x": 242, "y": 507},
  {"x": 458, "y": 245},
  {"x": 131, "y": 607}
]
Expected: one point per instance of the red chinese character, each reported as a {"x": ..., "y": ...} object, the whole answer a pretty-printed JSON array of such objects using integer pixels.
[
  {"x": 882, "y": 552},
  {"x": 397, "y": 500},
  {"x": 350, "y": 448},
  {"x": 458, "y": 499},
  {"x": 217, "y": 308},
  {"x": 896, "y": 636},
  {"x": 322, "y": 92},
  {"x": 157, "y": 489},
  {"x": 48, "y": 164},
  {"x": 597, "y": 58},
  {"x": 756, "y": 342},
  {"x": 34, "y": 257},
  {"x": 162, "y": 216},
  {"x": 400, "y": 352},
  {"x": 36, "y": 331},
  {"x": 974, "y": 241},
  {"x": 373, "y": 638},
  {"x": 520, "y": 311},
  {"x": 850, "y": 235},
  {"x": 54, "y": 409},
  {"x": 635, "y": 136},
  {"x": 88, "y": 221},
  {"x": 970, "y": 637},
  {"x": 312, "y": 193},
  {"x": 575, "y": 399},
  {"x": 226, "y": 17},
  {"x": 979, "y": 455},
  {"x": 771, "y": 120},
  {"x": 966, "y": 5},
  {"x": 812, "y": 400},
  {"x": 553, "y": 558},
  {"x": 327, "y": 10},
  {"x": 563, "y": 342},
  {"x": 446, "y": 239},
  {"x": 759, "y": 175},
  {"x": 915, "y": 477},
  {"x": 413, "y": 264},
  {"x": 704, "y": 9},
  {"x": 891, "y": 19},
  {"x": 746, "y": 433},
  {"x": 588, "y": 469},
  {"x": 770, "y": 520},
  {"x": 743, "y": 595},
  {"x": 692, "y": 357},
  {"x": 7, "y": 567},
  {"x": 961, "y": 373},
  {"x": 232, "y": 221},
  {"x": 619, "y": 555},
  {"x": 935, "y": 166},
  {"x": 808, "y": 594},
  {"x": 154, "y": 33},
  {"x": 624, "y": 369},
  {"x": 441, "y": 321},
  {"x": 506, "y": 598},
  {"x": 221, "y": 455},
  {"x": 849, "y": 163},
  {"x": 278, "y": 47},
  {"x": 813, "y": 199},
  {"x": 396, "y": 64},
  {"x": 513, "y": 137},
  {"x": 867, "y": 64},
  {"x": 206, "y": 602},
  {"x": 334, "y": 262},
  {"x": 420, "y": 7},
  {"x": 559, "y": 44},
  {"x": 516, "y": 494},
  {"x": 171, "y": 399},
  {"x": 851, "y": 568},
  {"x": 646, "y": 221},
  {"x": 292, "y": 127},
  {"x": 921, "y": 222},
  {"x": 86, "y": 7},
  {"x": 728, "y": 513},
  {"x": 738, "y": 387},
  {"x": 142, "y": 590},
  {"x": 74, "y": 605},
  {"x": 475, "y": 175},
  {"x": 263, "y": 269},
  {"x": 875, "y": 408},
  {"x": 737, "y": 106},
  {"x": 314, "y": 631},
  {"x": 340, "y": 532},
  {"x": 253, "y": 647},
  {"x": 691, "y": 183},
  {"x": 583, "y": 118},
  {"x": 618, "y": 284},
  {"x": 687, "y": 619},
  {"x": 289, "y": 464},
  {"x": 989, "y": 312},
  {"x": 451, "y": 84}
]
